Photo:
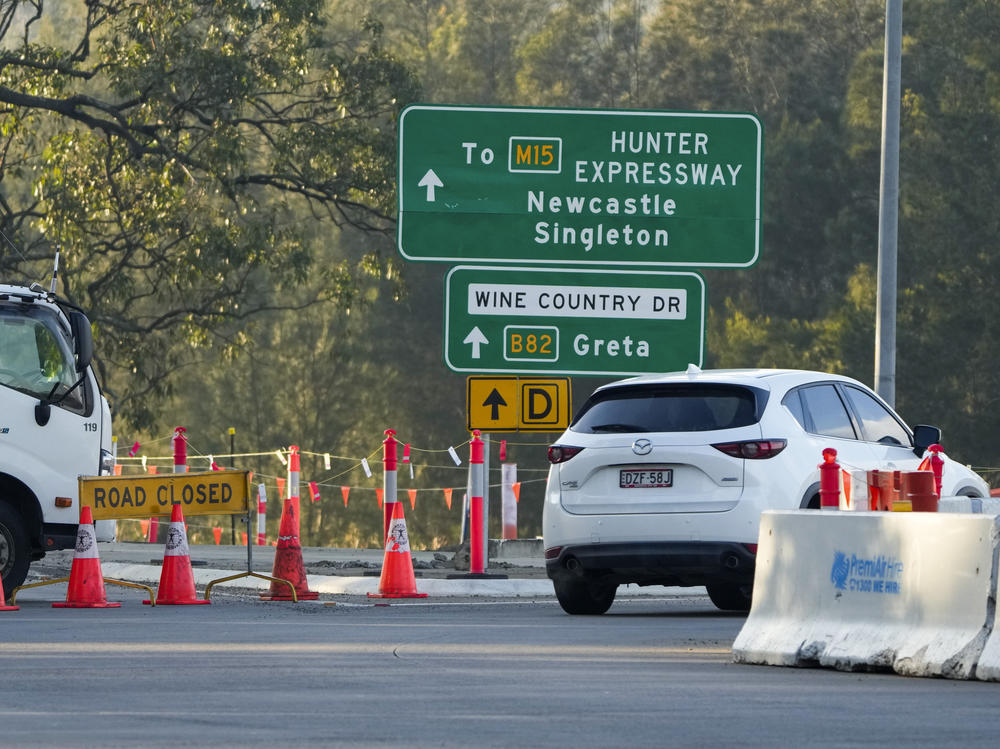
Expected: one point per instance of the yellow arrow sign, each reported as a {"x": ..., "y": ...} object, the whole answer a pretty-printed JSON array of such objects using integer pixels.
[
  {"x": 512, "y": 404},
  {"x": 202, "y": 493},
  {"x": 492, "y": 403}
]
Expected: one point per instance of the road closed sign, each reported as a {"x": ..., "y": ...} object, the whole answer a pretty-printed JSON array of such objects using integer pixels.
[{"x": 202, "y": 493}]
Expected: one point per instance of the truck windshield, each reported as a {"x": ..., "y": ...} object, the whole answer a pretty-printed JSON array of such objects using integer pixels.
[{"x": 35, "y": 355}]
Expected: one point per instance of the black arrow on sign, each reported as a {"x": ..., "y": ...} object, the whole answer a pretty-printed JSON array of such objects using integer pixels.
[{"x": 494, "y": 400}]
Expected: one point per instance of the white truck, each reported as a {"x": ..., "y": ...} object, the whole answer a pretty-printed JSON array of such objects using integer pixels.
[{"x": 55, "y": 425}]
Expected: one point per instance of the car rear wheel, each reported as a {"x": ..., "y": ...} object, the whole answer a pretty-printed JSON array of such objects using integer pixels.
[
  {"x": 581, "y": 595},
  {"x": 730, "y": 596},
  {"x": 13, "y": 548}
]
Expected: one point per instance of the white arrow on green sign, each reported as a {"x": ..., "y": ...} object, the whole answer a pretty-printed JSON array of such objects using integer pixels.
[
  {"x": 572, "y": 322},
  {"x": 573, "y": 186}
]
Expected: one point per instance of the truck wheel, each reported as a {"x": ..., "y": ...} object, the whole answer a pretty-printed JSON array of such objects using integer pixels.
[
  {"x": 582, "y": 596},
  {"x": 14, "y": 552}
]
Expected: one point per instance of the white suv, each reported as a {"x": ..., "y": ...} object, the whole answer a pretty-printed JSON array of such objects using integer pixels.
[{"x": 661, "y": 479}]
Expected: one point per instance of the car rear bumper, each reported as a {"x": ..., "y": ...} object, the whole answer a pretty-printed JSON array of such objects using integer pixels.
[{"x": 655, "y": 562}]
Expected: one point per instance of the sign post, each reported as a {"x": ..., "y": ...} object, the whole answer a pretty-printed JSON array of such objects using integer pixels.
[{"x": 573, "y": 186}]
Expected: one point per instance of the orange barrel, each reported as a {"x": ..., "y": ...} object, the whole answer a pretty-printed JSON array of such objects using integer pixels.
[{"x": 918, "y": 487}]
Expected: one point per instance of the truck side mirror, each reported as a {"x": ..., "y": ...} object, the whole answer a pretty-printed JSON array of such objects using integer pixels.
[
  {"x": 924, "y": 436},
  {"x": 83, "y": 339}
]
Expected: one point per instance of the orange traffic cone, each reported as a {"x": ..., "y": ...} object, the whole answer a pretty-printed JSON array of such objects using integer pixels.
[
  {"x": 86, "y": 583},
  {"x": 176, "y": 577},
  {"x": 288, "y": 563},
  {"x": 3, "y": 602},
  {"x": 397, "y": 580}
]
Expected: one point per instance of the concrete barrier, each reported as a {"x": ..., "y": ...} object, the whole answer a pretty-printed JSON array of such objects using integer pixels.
[
  {"x": 910, "y": 592},
  {"x": 988, "y": 668},
  {"x": 975, "y": 505}
]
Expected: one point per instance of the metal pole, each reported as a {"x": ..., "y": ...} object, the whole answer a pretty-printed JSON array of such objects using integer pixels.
[
  {"x": 888, "y": 210},
  {"x": 249, "y": 543},
  {"x": 232, "y": 518}
]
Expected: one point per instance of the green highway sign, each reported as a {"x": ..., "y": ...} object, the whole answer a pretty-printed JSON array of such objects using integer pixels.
[
  {"x": 572, "y": 322},
  {"x": 571, "y": 186}
]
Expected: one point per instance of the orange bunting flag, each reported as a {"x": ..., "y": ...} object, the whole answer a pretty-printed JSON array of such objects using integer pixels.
[
  {"x": 413, "y": 498},
  {"x": 345, "y": 490},
  {"x": 118, "y": 469},
  {"x": 150, "y": 469},
  {"x": 217, "y": 532},
  {"x": 516, "y": 486},
  {"x": 447, "y": 497},
  {"x": 281, "y": 488},
  {"x": 378, "y": 496},
  {"x": 313, "y": 491},
  {"x": 244, "y": 538},
  {"x": 144, "y": 524}
]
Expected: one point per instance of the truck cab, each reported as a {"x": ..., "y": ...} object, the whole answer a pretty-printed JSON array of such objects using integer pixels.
[{"x": 55, "y": 425}]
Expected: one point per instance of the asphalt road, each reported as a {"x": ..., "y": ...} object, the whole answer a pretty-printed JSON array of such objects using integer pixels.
[{"x": 433, "y": 673}]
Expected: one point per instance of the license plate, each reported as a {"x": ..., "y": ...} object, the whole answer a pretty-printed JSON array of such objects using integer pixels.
[{"x": 654, "y": 478}]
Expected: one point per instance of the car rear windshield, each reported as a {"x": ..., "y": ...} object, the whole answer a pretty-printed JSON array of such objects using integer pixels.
[{"x": 669, "y": 408}]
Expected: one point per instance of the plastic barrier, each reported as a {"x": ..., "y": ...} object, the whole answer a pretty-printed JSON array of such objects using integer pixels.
[
  {"x": 829, "y": 480},
  {"x": 389, "y": 462},
  {"x": 866, "y": 591}
]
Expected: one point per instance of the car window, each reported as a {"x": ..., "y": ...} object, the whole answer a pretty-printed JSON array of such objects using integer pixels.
[
  {"x": 793, "y": 403},
  {"x": 828, "y": 415},
  {"x": 676, "y": 408},
  {"x": 877, "y": 423}
]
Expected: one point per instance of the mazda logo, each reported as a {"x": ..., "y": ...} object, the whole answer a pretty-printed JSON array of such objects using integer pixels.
[{"x": 642, "y": 447}]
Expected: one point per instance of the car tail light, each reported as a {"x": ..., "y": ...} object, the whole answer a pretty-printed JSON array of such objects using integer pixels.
[
  {"x": 752, "y": 548},
  {"x": 553, "y": 552},
  {"x": 752, "y": 449},
  {"x": 562, "y": 453}
]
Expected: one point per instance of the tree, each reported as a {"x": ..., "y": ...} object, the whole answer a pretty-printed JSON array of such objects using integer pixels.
[
  {"x": 189, "y": 158},
  {"x": 949, "y": 263},
  {"x": 587, "y": 53}
]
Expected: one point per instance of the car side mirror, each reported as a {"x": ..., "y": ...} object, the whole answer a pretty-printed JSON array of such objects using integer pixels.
[
  {"x": 83, "y": 339},
  {"x": 924, "y": 436}
]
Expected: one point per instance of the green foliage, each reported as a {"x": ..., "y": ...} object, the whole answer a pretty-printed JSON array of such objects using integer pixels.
[
  {"x": 585, "y": 53},
  {"x": 173, "y": 151}
]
